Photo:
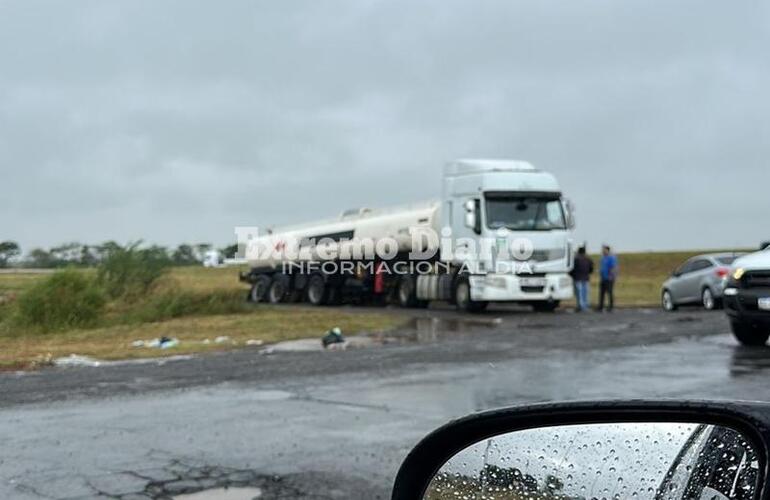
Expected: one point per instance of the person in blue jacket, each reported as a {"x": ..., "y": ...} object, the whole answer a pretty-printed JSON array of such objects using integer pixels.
[{"x": 608, "y": 272}]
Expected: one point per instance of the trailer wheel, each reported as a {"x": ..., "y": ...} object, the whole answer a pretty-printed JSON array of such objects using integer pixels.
[
  {"x": 406, "y": 291},
  {"x": 278, "y": 291},
  {"x": 259, "y": 289},
  {"x": 317, "y": 293},
  {"x": 462, "y": 297}
]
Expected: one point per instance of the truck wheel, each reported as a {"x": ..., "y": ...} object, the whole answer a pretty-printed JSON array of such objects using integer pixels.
[
  {"x": 463, "y": 300},
  {"x": 667, "y": 301},
  {"x": 545, "y": 305},
  {"x": 317, "y": 293},
  {"x": 259, "y": 289},
  {"x": 278, "y": 291},
  {"x": 748, "y": 334}
]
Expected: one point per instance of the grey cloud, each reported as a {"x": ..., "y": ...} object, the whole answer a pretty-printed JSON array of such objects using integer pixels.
[{"x": 177, "y": 121}]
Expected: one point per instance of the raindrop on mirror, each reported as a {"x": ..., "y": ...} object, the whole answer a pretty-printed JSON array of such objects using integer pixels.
[{"x": 643, "y": 461}]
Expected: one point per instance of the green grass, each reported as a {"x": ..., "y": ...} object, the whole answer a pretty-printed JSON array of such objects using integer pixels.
[
  {"x": 196, "y": 303},
  {"x": 268, "y": 324},
  {"x": 642, "y": 274},
  {"x": 190, "y": 303}
]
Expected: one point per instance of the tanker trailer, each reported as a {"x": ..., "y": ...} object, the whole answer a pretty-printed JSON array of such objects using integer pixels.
[{"x": 500, "y": 233}]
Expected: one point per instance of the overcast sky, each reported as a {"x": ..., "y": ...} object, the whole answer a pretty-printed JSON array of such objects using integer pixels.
[{"x": 176, "y": 121}]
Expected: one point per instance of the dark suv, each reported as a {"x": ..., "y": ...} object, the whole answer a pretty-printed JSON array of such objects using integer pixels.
[{"x": 746, "y": 298}]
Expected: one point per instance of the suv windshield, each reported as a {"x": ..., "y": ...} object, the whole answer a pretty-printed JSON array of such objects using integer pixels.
[{"x": 525, "y": 213}]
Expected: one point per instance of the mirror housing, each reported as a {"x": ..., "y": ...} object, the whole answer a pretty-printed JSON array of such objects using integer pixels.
[
  {"x": 751, "y": 420},
  {"x": 569, "y": 213},
  {"x": 472, "y": 215}
]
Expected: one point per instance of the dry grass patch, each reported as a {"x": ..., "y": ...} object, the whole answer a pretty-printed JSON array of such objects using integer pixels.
[{"x": 265, "y": 323}]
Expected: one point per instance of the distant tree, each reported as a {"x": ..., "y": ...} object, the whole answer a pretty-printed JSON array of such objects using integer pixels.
[
  {"x": 105, "y": 248},
  {"x": 160, "y": 253},
  {"x": 8, "y": 250},
  {"x": 88, "y": 256},
  {"x": 184, "y": 255},
  {"x": 201, "y": 249},
  {"x": 66, "y": 254},
  {"x": 230, "y": 251},
  {"x": 39, "y": 257}
]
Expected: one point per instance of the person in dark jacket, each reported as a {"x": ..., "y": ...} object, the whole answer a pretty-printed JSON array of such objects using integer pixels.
[{"x": 581, "y": 274}]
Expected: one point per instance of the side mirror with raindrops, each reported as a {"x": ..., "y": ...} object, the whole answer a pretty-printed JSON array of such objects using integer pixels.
[{"x": 637, "y": 450}]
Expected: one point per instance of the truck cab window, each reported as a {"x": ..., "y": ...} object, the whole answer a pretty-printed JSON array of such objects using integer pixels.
[{"x": 519, "y": 213}]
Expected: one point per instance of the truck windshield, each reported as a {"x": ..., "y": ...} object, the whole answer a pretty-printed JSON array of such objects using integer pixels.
[{"x": 525, "y": 213}]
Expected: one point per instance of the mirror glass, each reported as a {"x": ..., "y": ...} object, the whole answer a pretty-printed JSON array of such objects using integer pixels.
[
  {"x": 473, "y": 215},
  {"x": 657, "y": 461}
]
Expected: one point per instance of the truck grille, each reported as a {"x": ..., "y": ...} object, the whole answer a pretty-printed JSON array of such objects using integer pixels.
[
  {"x": 756, "y": 279},
  {"x": 532, "y": 289},
  {"x": 546, "y": 255}
]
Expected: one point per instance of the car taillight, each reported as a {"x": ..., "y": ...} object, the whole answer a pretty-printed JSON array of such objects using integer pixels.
[{"x": 722, "y": 272}]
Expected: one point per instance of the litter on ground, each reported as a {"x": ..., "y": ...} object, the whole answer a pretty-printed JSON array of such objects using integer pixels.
[
  {"x": 159, "y": 343},
  {"x": 76, "y": 360},
  {"x": 333, "y": 336}
]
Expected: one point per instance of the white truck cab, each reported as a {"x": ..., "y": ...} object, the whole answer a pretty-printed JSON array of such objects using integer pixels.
[{"x": 521, "y": 210}]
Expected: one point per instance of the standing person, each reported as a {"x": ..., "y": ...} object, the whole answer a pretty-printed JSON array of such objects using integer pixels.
[
  {"x": 608, "y": 272},
  {"x": 581, "y": 273}
]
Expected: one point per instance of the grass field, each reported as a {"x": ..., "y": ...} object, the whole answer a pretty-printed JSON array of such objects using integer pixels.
[
  {"x": 641, "y": 275},
  {"x": 21, "y": 348}
]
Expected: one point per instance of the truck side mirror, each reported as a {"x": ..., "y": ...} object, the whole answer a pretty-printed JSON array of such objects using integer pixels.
[
  {"x": 569, "y": 213},
  {"x": 472, "y": 215}
]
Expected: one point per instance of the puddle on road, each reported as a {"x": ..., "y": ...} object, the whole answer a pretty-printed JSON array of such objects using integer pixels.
[
  {"x": 421, "y": 330},
  {"x": 431, "y": 328},
  {"x": 223, "y": 494},
  {"x": 314, "y": 345},
  {"x": 749, "y": 360},
  {"x": 268, "y": 395}
]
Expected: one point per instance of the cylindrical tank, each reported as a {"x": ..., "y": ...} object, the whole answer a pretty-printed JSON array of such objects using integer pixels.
[{"x": 354, "y": 234}]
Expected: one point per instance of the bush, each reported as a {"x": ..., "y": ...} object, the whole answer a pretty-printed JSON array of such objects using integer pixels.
[
  {"x": 129, "y": 273},
  {"x": 66, "y": 299},
  {"x": 175, "y": 303}
]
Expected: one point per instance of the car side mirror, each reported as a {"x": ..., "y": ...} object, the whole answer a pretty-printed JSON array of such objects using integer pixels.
[
  {"x": 675, "y": 273},
  {"x": 472, "y": 215},
  {"x": 641, "y": 450}
]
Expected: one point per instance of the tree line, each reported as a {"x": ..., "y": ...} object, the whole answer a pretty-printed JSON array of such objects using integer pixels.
[{"x": 84, "y": 255}]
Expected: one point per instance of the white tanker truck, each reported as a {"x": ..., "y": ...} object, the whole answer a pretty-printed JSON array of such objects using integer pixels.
[{"x": 500, "y": 233}]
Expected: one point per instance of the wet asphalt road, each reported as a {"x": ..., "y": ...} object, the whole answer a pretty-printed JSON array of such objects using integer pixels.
[{"x": 337, "y": 424}]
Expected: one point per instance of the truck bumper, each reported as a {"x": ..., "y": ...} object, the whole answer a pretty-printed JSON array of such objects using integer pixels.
[
  {"x": 513, "y": 288},
  {"x": 742, "y": 306}
]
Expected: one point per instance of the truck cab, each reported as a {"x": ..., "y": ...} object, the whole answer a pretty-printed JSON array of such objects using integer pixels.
[
  {"x": 510, "y": 232},
  {"x": 747, "y": 298}
]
